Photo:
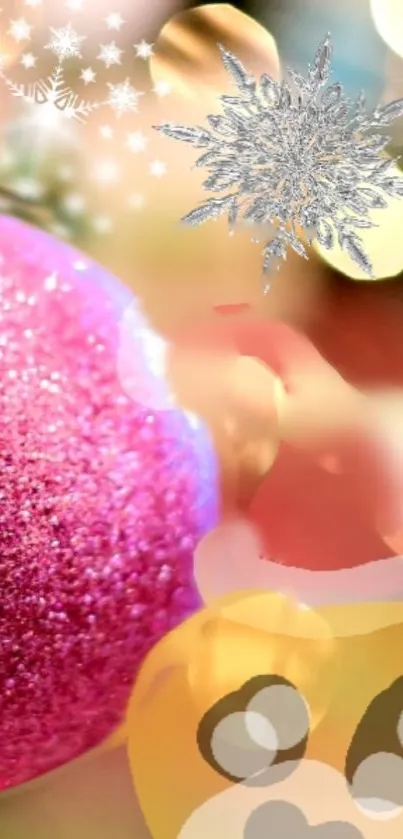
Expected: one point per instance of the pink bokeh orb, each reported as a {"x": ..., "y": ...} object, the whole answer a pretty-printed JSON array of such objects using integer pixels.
[{"x": 103, "y": 501}]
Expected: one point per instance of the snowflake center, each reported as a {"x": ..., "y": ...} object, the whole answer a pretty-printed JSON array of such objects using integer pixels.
[{"x": 295, "y": 154}]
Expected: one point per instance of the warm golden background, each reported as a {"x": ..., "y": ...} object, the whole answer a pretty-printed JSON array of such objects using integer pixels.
[{"x": 103, "y": 196}]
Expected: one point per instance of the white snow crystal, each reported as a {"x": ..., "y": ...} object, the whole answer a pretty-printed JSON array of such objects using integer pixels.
[
  {"x": 65, "y": 42},
  {"x": 123, "y": 97}
]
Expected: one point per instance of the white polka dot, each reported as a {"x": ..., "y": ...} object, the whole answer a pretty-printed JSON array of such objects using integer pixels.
[
  {"x": 235, "y": 751},
  {"x": 377, "y": 786},
  {"x": 287, "y": 712},
  {"x": 261, "y": 731}
]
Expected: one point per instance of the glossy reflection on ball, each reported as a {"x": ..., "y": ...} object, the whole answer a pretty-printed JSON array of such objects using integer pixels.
[{"x": 103, "y": 500}]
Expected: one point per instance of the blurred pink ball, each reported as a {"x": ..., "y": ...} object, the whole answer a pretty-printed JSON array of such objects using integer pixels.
[{"x": 103, "y": 501}]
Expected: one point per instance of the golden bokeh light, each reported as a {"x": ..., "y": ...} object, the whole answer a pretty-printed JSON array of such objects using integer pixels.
[
  {"x": 388, "y": 19},
  {"x": 187, "y": 56}
]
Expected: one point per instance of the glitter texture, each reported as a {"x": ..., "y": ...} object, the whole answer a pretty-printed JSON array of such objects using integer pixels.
[{"x": 103, "y": 501}]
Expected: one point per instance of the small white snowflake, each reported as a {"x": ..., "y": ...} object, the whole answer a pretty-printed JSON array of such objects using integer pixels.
[
  {"x": 114, "y": 21},
  {"x": 136, "y": 141},
  {"x": 106, "y": 171},
  {"x": 88, "y": 75},
  {"x": 144, "y": 50},
  {"x": 123, "y": 98},
  {"x": 28, "y": 60},
  {"x": 106, "y": 132},
  {"x": 20, "y": 30},
  {"x": 110, "y": 54},
  {"x": 65, "y": 42},
  {"x": 158, "y": 168},
  {"x": 162, "y": 88}
]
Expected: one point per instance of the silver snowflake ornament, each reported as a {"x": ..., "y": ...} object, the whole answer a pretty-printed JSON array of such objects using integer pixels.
[{"x": 297, "y": 157}]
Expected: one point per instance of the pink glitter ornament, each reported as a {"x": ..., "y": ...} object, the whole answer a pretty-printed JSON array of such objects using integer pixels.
[{"x": 102, "y": 502}]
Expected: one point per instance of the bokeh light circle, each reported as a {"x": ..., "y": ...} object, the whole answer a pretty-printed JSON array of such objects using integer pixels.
[{"x": 388, "y": 19}]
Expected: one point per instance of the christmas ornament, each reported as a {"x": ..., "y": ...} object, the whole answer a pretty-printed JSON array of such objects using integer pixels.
[
  {"x": 330, "y": 173},
  {"x": 103, "y": 500}
]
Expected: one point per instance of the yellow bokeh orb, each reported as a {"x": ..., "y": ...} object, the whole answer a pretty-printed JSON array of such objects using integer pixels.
[{"x": 388, "y": 19}]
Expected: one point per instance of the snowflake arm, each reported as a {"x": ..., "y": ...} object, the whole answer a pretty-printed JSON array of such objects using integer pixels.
[
  {"x": 298, "y": 155},
  {"x": 52, "y": 92}
]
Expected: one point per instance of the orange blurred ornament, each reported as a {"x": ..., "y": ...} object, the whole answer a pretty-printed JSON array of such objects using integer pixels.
[
  {"x": 187, "y": 55},
  {"x": 342, "y": 662},
  {"x": 235, "y": 646},
  {"x": 213, "y": 653}
]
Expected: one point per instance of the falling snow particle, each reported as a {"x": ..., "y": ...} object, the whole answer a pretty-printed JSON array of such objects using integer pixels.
[
  {"x": 158, "y": 168},
  {"x": 114, "y": 21},
  {"x": 106, "y": 132},
  {"x": 65, "y": 42},
  {"x": 88, "y": 75},
  {"x": 106, "y": 172},
  {"x": 295, "y": 155},
  {"x": 110, "y": 54},
  {"x": 123, "y": 98},
  {"x": 28, "y": 60},
  {"x": 20, "y": 30},
  {"x": 136, "y": 141},
  {"x": 144, "y": 50}
]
